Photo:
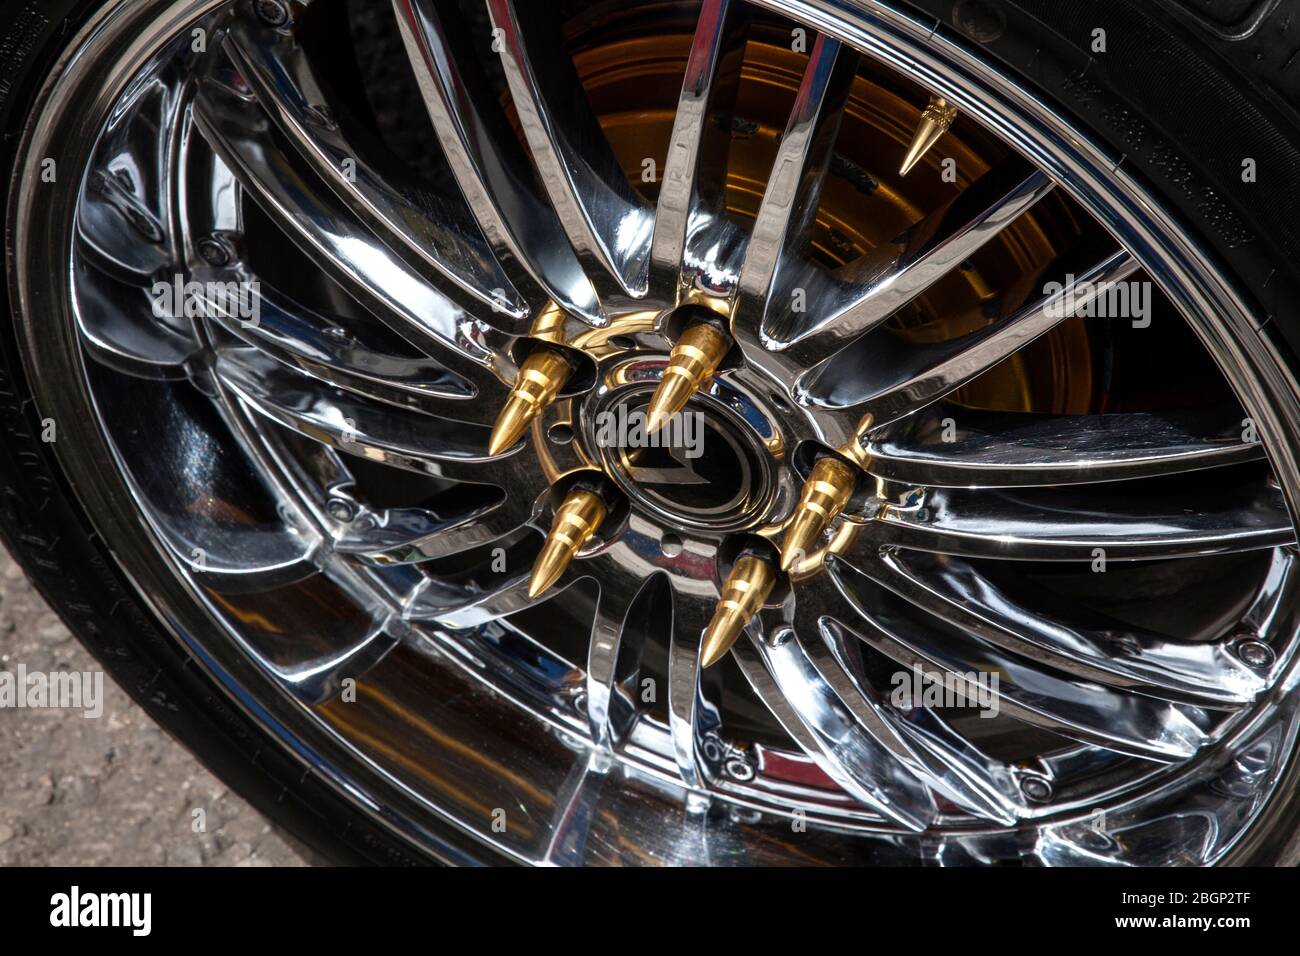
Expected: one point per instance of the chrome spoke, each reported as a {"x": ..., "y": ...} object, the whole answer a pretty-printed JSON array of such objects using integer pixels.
[
  {"x": 330, "y": 235},
  {"x": 326, "y": 348},
  {"x": 320, "y": 679},
  {"x": 125, "y": 220},
  {"x": 919, "y": 737},
  {"x": 773, "y": 268},
  {"x": 692, "y": 716},
  {"x": 1277, "y": 605},
  {"x": 414, "y": 535},
  {"x": 524, "y": 233},
  {"x": 607, "y": 223},
  {"x": 690, "y": 212},
  {"x": 1069, "y": 638},
  {"x": 614, "y": 657},
  {"x": 398, "y": 437},
  {"x": 383, "y": 536},
  {"x": 891, "y": 379},
  {"x": 187, "y": 503},
  {"x": 1046, "y": 525},
  {"x": 434, "y": 234},
  {"x": 853, "y": 758},
  {"x": 859, "y": 296},
  {"x": 484, "y": 608},
  {"x": 964, "y": 448},
  {"x": 765, "y": 688},
  {"x": 1117, "y": 720},
  {"x": 476, "y": 594},
  {"x": 117, "y": 325}
]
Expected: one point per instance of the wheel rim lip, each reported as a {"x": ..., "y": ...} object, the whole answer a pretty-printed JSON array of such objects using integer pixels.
[{"x": 1208, "y": 290}]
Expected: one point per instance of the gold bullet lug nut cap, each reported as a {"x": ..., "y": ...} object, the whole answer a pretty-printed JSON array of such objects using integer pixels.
[
  {"x": 935, "y": 120},
  {"x": 824, "y": 495},
  {"x": 743, "y": 594},
  {"x": 692, "y": 362},
  {"x": 577, "y": 518},
  {"x": 540, "y": 379}
]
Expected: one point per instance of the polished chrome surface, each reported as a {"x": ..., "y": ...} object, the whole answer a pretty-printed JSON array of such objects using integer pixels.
[{"x": 249, "y": 449}]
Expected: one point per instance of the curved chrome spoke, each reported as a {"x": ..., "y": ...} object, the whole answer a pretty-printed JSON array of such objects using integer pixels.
[
  {"x": 614, "y": 657},
  {"x": 692, "y": 716},
  {"x": 925, "y": 743},
  {"x": 119, "y": 327},
  {"x": 857, "y": 297},
  {"x": 765, "y": 688},
  {"x": 215, "y": 512},
  {"x": 1070, "y": 638},
  {"x": 690, "y": 212},
  {"x": 477, "y": 593},
  {"x": 607, "y": 223},
  {"x": 436, "y": 235},
  {"x": 318, "y": 680},
  {"x": 384, "y": 536},
  {"x": 1122, "y": 524},
  {"x": 414, "y": 535},
  {"x": 330, "y": 235},
  {"x": 774, "y": 259},
  {"x": 1117, "y": 720},
  {"x": 337, "y": 352},
  {"x": 524, "y": 233},
  {"x": 398, "y": 437},
  {"x": 858, "y": 761},
  {"x": 490, "y": 606},
  {"x": 969, "y": 448},
  {"x": 888, "y": 378},
  {"x": 125, "y": 221},
  {"x": 1276, "y": 609}
]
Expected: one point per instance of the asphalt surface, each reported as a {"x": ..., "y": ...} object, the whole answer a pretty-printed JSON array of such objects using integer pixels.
[{"x": 115, "y": 789}]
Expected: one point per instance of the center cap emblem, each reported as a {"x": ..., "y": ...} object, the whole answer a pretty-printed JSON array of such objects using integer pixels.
[{"x": 705, "y": 468}]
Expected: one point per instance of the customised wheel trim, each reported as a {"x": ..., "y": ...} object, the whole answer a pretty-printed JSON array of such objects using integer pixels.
[{"x": 887, "y": 784}]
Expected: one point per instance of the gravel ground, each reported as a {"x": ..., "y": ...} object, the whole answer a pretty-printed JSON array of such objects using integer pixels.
[{"x": 112, "y": 790}]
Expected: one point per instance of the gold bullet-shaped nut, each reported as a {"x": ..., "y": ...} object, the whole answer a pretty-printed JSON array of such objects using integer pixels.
[
  {"x": 692, "y": 362},
  {"x": 935, "y": 120},
  {"x": 745, "y": 591},
  {"x": 577, "y": 518},
  {"x": 824, "y": 495},
  {"x": 540, "y": 379}
]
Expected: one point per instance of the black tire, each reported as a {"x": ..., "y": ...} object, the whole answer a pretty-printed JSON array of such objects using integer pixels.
[{"x": 1184, "y": 93}]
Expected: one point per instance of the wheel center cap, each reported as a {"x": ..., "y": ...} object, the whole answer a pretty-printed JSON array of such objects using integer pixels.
[{"x": 706, "y": 469}]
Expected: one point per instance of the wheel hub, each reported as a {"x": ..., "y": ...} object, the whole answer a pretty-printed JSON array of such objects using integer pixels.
[{"x": 711, "y": 471}]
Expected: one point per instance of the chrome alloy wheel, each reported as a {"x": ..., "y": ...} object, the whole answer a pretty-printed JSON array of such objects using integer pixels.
[{"x": 311, "y": 454}]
